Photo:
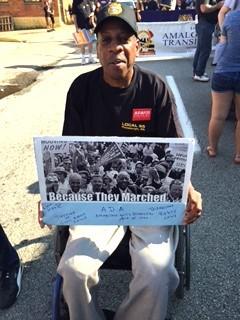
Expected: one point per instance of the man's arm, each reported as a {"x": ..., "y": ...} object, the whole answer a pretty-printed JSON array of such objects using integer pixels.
[
  {"x": 74, "y": 17},
  {"x": 208, "y": 8}
]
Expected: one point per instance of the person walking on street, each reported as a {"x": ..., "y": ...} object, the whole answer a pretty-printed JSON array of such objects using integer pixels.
[
  {"x": 100, "y": 103},
  {"x": 10, "y": 272},
  {"x": 83, "y": 18},
  {"x": 207, "y": 11},
  {"x": 49, "y": 14}
]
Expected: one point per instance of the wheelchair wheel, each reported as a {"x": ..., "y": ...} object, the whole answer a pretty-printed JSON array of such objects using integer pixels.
[
  {"x": 182, "y": 260},
  {"x": 188, "y": 257}
]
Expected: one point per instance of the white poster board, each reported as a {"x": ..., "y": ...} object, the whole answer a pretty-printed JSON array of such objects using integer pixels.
[
  {"x": 113, "y": 180},
  {"x": 159, "y": 39}
]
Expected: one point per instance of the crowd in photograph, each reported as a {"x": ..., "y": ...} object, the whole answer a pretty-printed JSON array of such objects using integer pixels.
[{"x": 111, "y": 168}]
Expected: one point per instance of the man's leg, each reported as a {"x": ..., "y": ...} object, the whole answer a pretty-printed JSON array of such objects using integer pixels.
[
  {"x": 197, "y": 52},
  {"x": 52, "y": 21},
  {"x": 204, "y": 33},
  {"x": 154, "y": 276},
  {"x": 87, "y": 248},
  {"x": 10, "y": 272}
]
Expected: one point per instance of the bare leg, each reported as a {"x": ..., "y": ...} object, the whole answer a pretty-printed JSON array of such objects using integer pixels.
[
  {"x": 47, "y": 22},
  {"x": 52, "y": 21},
  {"x": 90, "y": 48},
  {"x": 221, "y": 103},
  {"x": 83, "y": 49},
  {"x": 237, "y": 132}
]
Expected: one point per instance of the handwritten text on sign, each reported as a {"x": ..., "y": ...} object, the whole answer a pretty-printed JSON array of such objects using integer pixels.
[{"x": 106, "y": 213}]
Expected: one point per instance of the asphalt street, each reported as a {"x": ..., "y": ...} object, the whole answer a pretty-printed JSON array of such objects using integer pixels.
[{"x": 38, "y": 110}]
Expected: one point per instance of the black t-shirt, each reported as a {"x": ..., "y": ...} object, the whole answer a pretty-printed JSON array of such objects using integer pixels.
[
  {"x": 93, "y": 108},
  {"x": 82, "y": 9},
  {"x": 211, "y": 17}
]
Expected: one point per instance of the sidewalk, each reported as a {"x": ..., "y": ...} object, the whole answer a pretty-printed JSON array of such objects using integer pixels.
[{"x": 39, "y": 51}]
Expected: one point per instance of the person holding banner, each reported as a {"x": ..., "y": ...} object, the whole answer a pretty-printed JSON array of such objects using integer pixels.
[
  {"x": 83, "y": 18},
  {"x": 118, "y": 105}
]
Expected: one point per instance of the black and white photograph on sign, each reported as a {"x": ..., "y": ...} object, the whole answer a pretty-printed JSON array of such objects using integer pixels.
[{"x": 106, "y": 170}]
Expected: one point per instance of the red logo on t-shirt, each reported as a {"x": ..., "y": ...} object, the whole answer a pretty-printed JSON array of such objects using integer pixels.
[{"x": 141, "y": 114}]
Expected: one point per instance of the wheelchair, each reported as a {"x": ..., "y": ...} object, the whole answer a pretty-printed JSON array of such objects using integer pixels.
[{"x": 120, "y": 260}]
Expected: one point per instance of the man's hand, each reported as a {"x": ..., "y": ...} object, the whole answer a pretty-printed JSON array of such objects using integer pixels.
[
  {"x": 40, "y": 217},
  {"x": 194, "y": 206}
]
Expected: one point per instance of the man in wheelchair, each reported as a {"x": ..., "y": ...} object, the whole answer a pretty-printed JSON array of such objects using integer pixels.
[{"x": 110, "y": 101}]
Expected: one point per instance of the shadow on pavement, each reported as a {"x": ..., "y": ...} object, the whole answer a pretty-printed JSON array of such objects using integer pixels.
[{"x": 33, "y": 188}]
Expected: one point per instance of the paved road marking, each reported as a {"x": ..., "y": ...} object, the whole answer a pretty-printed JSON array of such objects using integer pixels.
[{"x": 182, "y": 113}]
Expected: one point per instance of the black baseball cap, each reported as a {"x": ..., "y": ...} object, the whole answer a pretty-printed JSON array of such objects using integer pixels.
[{"x": 120, "y": 11}]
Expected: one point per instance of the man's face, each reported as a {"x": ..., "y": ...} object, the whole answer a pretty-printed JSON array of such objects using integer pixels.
[
  {"x": 67, "y": 165},
  {"x": 61, "y": 176},
  {"x": 97, "y": 183},
  {"x": 123, "y": 180},
  {"x": 176, "y": 190},
  {"x": 84, "y": 179},
  {"x": 75, "y": 183},
  {"x": 139, "y": 168},
  {"x": 117, "y": 48}
]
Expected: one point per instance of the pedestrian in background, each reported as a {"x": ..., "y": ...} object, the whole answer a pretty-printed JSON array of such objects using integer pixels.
[
  {"x": 83, "y": 18},
  {"x": 49, "y": 14},
  {"x": 10, "y": 272},
  {"x": 226, "y": 85},
  {"x": 207, "y": 11}
]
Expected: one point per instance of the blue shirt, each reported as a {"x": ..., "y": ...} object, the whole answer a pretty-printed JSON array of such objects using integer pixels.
[{"x": 229, "y": 61}]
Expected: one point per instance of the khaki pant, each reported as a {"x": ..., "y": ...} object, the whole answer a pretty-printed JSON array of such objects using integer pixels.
[{"x": 152, "y": 250}]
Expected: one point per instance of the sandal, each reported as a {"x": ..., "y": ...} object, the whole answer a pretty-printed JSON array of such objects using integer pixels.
[
  {"x": 237, "y": 159},
  {"x": 211, "y": 152}
]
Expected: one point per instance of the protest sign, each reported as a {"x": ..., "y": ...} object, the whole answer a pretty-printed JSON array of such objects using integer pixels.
[{"x": 104, "y": 183}]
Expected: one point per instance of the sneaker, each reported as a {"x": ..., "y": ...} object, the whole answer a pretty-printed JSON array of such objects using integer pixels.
[
  {"x": 205, "y": 75},
  {"x": 91, "y": 60},
  {"x": 84, "y": 60},
  {"x": 10, "y": 286},
  {"x": 202, "y": 78}
]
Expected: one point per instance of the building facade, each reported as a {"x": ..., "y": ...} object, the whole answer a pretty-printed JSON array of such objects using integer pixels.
[{"x": 29, "y": 14}]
